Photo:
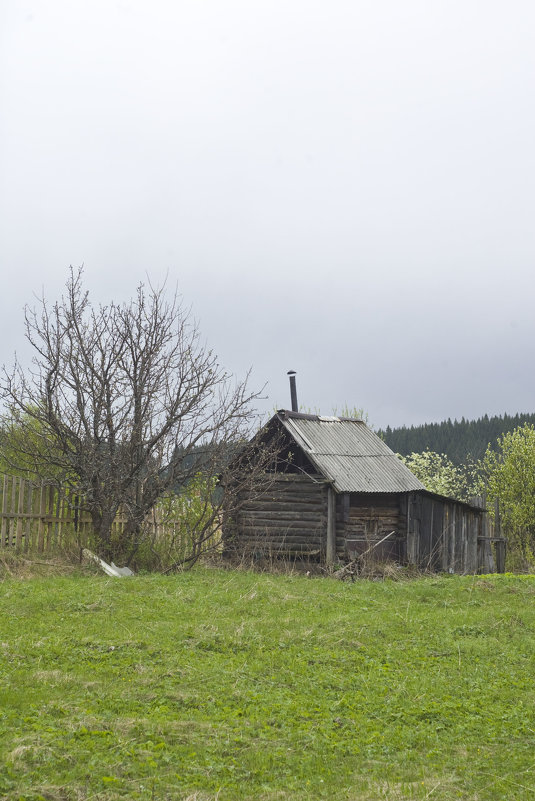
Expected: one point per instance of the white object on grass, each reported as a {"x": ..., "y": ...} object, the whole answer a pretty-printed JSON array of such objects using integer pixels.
[{"x": 110, "y": 570}]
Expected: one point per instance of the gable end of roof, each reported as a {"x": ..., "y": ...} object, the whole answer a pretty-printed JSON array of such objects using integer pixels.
[{"x": 349, "y": 454}]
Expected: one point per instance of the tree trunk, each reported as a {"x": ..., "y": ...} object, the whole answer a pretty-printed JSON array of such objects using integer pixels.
[{"x": 102, "y": 524}]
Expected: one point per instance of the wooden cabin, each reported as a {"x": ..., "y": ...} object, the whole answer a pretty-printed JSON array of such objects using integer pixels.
[{"x": 337, "y": 492}]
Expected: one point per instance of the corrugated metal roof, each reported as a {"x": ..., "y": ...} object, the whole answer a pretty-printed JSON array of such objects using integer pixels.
[{"x": 349, "y": 454}]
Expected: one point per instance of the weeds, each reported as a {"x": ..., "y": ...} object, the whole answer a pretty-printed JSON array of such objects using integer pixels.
[{"x": 16, "y": 564}]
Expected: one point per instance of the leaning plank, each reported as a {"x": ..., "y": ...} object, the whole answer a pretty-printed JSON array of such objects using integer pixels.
[{"x": 110, "y": 570}]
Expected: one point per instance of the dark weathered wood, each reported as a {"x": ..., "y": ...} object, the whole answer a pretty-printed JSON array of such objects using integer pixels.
[
  {"x": 281, "y": 540},
  {"x": 371, "y": 517},
  {"x": 431, "y": 531},
  {"x": 473, "y": 533},
  {"x": 330, "y": 550},
  {"x": 490, "y": 566},
  {"x": 260, "y": 517},
  {"x": 297, "y": 549},
  {"x": 295, "y": 478},
  {"x": 372, "y": 512},
  {"x": 291, "y": 514},
  {"x": 462, "y": 543},
  {"x": 426, "y": 542},
  {"x": 451, "y": 542},
  {"x": 501, "y": 550},
  {"x": 445, "y": 537},
  {"x": 345, "y": 503},
  {"x": 375, "y": 499},
  {"x": 432, "y": 543},
  {"x": 412, "y": 538},
  {"x": 288, "y": 500},
  {"x": 282, "y": 506},
  {"x": 274, "y": 532}
]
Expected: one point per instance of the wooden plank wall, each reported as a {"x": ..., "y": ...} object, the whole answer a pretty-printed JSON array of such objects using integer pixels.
[
  {"x": 449, "y": 536},
  {"x": 289, "y": 518},
  {"x": 440, "y": 533},
  {"x": 434, "y": 533}
]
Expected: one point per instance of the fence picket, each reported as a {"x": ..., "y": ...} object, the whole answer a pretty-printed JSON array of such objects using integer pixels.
[
  {"x": 11, "y": 520},
  {"x": 50, "y": 517},
  {"x": 41, "y": 525},
  {"x": 3, "y": 529},
  {"x": 29, "y": 517},
  {"x": 20, "y": 512}
]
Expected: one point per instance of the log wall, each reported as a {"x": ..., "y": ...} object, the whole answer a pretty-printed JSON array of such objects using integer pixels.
[
  {"x": 364, "y": 519},
  {"x": 289, "y": 518}
]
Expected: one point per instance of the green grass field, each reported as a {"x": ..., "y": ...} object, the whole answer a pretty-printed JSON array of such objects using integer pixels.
[{"x": 235, "y": 685}]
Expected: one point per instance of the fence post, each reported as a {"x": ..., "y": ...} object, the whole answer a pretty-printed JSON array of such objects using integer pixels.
[
  {"x": 29, "y": 517},
  {"x": 50, "y": 517},
  {"x": 59, "y": 516}
]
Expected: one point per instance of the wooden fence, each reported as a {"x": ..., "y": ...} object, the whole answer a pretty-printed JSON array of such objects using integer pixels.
[
  {"x": 42, "y": 516},
  {"x": 39, "y": 515}
]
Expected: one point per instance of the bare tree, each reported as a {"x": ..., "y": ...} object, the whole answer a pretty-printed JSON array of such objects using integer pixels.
[{"x": 125, "y": 403}]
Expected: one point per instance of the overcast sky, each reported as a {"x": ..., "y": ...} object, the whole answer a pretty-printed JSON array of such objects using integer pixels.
[{"x": 341, "y": 188}]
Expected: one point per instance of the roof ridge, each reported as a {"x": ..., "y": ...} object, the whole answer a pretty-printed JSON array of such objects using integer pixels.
[{"x": 318, "y": 418}]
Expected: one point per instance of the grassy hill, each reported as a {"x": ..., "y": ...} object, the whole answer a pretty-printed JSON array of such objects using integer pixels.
[
  {"x": 233, "y": 685},
  {"x": 458, "y": 439}
]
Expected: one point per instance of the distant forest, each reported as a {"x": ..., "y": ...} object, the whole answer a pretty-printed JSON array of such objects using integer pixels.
[{"x": 459, "y": 439}]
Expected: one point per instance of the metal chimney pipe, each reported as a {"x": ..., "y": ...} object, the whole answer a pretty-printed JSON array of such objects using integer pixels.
[{"x": 293, "y": 390}]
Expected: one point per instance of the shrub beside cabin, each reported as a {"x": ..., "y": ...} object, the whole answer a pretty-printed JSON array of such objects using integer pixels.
[{"x": 337, "y": 491}]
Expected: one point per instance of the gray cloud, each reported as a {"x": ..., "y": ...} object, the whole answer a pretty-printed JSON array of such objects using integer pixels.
[{"x": 345, "y": 189}]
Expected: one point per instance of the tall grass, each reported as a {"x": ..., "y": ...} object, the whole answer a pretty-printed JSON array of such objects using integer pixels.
[{"x": 235, "y": 685}]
